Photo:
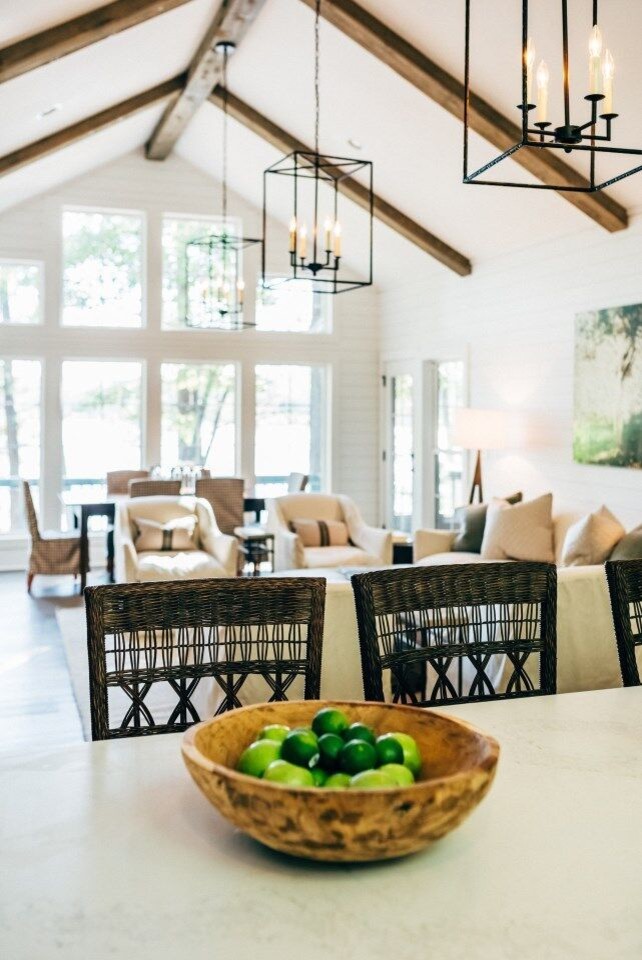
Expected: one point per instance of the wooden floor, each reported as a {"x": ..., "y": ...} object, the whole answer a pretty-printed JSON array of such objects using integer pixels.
[{"x": 37, "y": 706}]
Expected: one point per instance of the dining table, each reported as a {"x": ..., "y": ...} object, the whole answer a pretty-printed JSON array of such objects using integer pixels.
[{"x": 109, "y": 851}]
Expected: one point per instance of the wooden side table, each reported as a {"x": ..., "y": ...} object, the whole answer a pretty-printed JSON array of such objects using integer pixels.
[{"x": 257, "y": 546}]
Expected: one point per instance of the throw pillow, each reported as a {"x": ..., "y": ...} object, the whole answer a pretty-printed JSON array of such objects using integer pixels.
[
  {"x": 472, "y": 521},
  {"x": 520, "y": 532},
  {"x": 175, "y": 535},
  {"x": 321, "y": 533},
  {"x": 629, "y": 547},
  {"x": 592, "y": 539}
]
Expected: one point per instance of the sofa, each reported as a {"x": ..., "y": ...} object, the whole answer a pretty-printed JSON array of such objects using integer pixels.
[{"x": 210, "y": 553}]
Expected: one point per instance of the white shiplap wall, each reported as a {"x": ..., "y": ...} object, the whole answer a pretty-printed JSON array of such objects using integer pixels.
[{"x": 513, "y": 320}]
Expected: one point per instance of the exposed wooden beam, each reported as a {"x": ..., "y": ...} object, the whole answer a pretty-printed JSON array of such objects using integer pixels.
[
  {"x": 58, "y": 41},
  {"x": 440, "y": 86},
  {"x": 231, "y": 22},
  {"x": 99, "y": 121},
  {"x": 352, "y": 189}
]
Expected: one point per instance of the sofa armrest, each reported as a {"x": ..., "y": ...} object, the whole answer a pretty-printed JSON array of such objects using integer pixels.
[
  {"x": 375, "y": 541},
  {"x": 288, "y": 550},
  {"x": 429, "y": 542},
  {"x": 224, "y": 549}
]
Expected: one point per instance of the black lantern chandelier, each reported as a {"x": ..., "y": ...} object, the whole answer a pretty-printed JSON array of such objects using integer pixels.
[
  {"x": 214, "y": 284},
  {"x": 316, "y": 254},
  {"x": 539, "y": 131}
]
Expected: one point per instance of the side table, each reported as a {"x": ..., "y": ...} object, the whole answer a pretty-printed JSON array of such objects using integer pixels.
[{"x": 256, "y": 546}]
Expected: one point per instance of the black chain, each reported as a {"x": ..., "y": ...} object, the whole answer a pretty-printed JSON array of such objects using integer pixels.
[
  {"x": 316, "y": 75},
  {"x": 224, "y": 178}
]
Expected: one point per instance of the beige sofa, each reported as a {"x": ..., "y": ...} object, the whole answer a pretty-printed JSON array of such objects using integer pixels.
[{"x": 215, "y": 556}]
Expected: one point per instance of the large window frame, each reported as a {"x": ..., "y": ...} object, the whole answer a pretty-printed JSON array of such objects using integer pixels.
[
  {"x": 34, "y": 358},
  {"x": 40, "y": 266}
]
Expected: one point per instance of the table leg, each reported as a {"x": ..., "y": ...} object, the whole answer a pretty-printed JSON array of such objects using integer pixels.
[
  {"x": 84, "y": 549},
  {"x": 111, "y": 519}
]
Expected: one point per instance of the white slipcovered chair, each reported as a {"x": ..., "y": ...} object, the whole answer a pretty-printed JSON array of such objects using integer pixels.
[
  {"x": 367, "y": 547},
  {"x": 214, "y": 554}
]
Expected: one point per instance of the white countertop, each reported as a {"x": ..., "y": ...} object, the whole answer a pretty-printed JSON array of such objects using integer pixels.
[{"x": 109, "y": 851}]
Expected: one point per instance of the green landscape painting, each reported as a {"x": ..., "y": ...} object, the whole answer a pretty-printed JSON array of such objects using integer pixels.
[{"x": 608, "y": 387}]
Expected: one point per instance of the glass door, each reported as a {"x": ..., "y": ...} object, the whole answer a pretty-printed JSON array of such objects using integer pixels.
[{"x": 399, "y": 452}]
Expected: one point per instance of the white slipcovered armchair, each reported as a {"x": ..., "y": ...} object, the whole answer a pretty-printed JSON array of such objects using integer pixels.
[
  {"x": 214, "y": 554},
  {"x": 367, "y": 546}
]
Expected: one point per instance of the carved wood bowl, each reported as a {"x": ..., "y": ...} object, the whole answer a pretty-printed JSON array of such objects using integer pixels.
[{"x": 344, "y": 825}]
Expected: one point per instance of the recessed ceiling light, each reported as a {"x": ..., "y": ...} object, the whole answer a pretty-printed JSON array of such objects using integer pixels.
[
  {"x": 355, "y": 144},
  {"x": 54, "y": 108}
]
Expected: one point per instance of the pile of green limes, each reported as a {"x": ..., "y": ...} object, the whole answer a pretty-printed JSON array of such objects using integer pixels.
[{"x": 333, "y": 753}]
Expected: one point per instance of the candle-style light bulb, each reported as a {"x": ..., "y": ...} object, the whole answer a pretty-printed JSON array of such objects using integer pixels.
[
  {"x": 292, "y": 234},
  {"x": 240, "y": 291},
  {"x": 529, "y": 58},
  {"x": 337, "y": 239},
  {"x": 543, "y": 79},
  {"x": 608, "y": 73},
  {"x": 327, "y": 229},
  {"x": 595, "y": 60},
  {"x": 303, "y": 242}
]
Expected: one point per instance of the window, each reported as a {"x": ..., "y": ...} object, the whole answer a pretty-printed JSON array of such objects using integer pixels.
[
  {"x": 102, "y": 269},
  {"x": 291, "y": 308},
  {"x": 20, "y": 292},
  {"x": 450, "y": 460},
  {"x": 402, "y": 451},
  {"x": 290, "y": 432},
  {"x": 19, "y": 438},
  {"x": 101, "y": 419},
  {"x": 198, "y": 416}
]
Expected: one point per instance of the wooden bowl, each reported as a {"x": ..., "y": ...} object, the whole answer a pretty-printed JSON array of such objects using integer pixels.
[{"x": 344, "y": 825}]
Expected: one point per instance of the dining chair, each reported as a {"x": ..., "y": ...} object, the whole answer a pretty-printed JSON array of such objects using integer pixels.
[
  {"x": 155, "y": 488},
  {"x": 625, "y": 586},
  {"x": 118, "y": 480},
  {"x": 297, "y": 482},
  {"x": 225, "y": 496},
  {"x": 459, "y": 633},
  {"x": 53, "y": 553},
  {"x": 151, "y": 645}
]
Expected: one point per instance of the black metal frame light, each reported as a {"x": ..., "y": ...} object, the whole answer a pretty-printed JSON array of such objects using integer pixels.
[
  {"x": 317, "y": 259},
  {"x": 542, "y": 134},
  {"x": 222, "y": 295}
]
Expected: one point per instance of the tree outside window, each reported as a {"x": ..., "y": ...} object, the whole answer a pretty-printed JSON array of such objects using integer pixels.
[
  {"x": 198, "y": 416},
  {"x": 19, "y": 437}
]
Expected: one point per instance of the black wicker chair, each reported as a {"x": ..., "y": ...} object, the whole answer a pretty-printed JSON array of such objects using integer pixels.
[
  {"x": 458, "y": 633},
  {"x": 625, "y": 587},
  {"x": 151, "y": 644}
]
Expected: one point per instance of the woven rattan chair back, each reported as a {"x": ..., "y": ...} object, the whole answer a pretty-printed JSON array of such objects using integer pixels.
[
  {"x": 625, "y": 587},
  {"x": 152, "y": 645},
  {"x": 459, "y": 633},
  {"x": 225, "y": 494},
  {"x": 30, "y": 513},
  {"x": 297, "y": 482},
  {"x": 118, "y": 480},
  {"x": 154, "y": 488}
]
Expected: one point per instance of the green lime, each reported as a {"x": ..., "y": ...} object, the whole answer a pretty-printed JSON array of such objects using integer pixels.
[
  {"x": 401, "y": 775},
  {"x": 330, "y": 746},
  {"x": 319, "y": 776},
  {"x": 300, "y": 747},
  {"x": 288, "y": 773},
  {"x": 357, "y": 755},
  {"x": 257, "y": 758},
  {"x": 389, "y": 750},
  {"x": 372, "y": 780},
  {"x": 411, "y": 755},
  {"x": 359, "y": 731},
  {"x": 338, "y": 781},
  {"x": 274, "y": 731},
  {"x": 329, "y": 720}
]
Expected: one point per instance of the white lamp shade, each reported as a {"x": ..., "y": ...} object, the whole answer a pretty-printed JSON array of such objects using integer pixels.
[{"x": 481, "y": 429}]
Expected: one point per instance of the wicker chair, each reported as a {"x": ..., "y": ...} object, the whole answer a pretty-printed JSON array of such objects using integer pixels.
[
  {"x": 625, "y": 587},
  {"x": 430, "y": 635},
  {"x": 225, "y": 495},
  {"x": 118, "y": 480},
  {"x": 146, "y": 639},
  {"x": 53, "y": 553},
  {"x": 154, "y": 488},
  {"x": 297, "y": 482}
]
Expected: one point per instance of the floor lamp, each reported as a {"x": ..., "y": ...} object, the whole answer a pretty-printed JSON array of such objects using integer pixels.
[{"x": 478, "y": 430}]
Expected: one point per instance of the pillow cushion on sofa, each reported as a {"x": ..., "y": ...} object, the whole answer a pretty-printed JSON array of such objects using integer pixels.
[
  {"x": 592, "y": 539},
  {"x": 321, "y": 533},
  {"x": 176, "y": 534},
  {"x": 629, "y": 547},
  {"x": 472, "y": 520},
  {"x": 520, "y": 532}
]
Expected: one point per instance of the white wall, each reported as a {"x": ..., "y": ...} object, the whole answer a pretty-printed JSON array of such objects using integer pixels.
[
  {"x": 513, "y": 320},
  {"x": 33, "y": 230}
]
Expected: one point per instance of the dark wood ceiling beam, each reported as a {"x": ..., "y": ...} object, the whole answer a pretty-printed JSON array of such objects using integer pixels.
[
  {"x": 84, "y": 128},
  {"x": 65, "y": 38},
  {"x": 445, "y": 90},
  {"x": 355, "y": 191},
  {"x": 233, "y": 19}
]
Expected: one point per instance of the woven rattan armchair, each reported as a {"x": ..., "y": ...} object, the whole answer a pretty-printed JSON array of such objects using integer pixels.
[
  {"x": 625, "y": 587},
  {"x": 225, "y": 496},
  {"x": 165, "y": 640},
  {"x": 459, "y": 633},
  {"x": 53, "y": 553},
  {"x": 154, "y": 488},
  {"x": 118, "y": 480}
]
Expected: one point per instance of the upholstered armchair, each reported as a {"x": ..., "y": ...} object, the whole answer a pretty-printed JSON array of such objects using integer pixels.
[
  {"x": 171, "y": 538},
  {"x": 53, "y": 553},
  {"x": 316, "y": 530}
]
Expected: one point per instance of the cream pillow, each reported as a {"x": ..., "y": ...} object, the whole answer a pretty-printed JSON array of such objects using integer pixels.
[
  {"x": 321, "y": 533},
  {"x": 523, "y": 531},
  {"x": 175, "y": 535},
  {"x": 592, "y": 539}
]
